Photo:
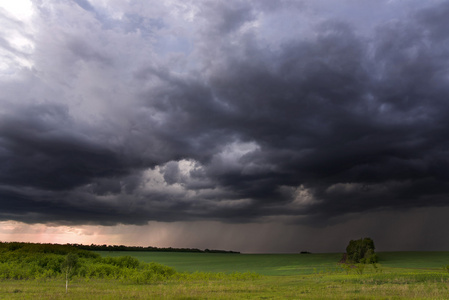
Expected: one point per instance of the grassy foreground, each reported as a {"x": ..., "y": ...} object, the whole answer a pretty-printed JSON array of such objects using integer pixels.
[
  {"x": 315, "y": 286},
  {"x": 401, "y": 275}
]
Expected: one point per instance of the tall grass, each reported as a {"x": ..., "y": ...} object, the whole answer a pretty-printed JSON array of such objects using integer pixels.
[{"x": 225, "y": 286}]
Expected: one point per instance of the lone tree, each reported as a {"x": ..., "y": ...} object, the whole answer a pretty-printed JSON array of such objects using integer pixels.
[
  {"x": 361, "y": 251},
  {"x": 68, "y": 267}
]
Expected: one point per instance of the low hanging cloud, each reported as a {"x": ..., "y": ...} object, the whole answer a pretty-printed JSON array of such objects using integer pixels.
[{"x": 222, "y": 111}]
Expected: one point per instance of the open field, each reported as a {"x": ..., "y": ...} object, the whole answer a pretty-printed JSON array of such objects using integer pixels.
[
  {"x": 282, "y": 264},
  {"x": 264, "y": 264},
  {"x": 401, "y": 275}
]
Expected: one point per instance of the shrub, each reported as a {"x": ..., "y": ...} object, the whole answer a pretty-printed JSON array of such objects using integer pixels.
[{"x": 123, "y": 261}]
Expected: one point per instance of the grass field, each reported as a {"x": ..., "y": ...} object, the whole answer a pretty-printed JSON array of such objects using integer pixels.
[
  {"x": 264, "y": 264},
  {"x": 282, "y": 264},
  {"x": 402, "y": 275}
]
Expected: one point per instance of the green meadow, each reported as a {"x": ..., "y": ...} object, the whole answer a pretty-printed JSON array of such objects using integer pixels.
[
  {"x": 264, "y": 264},
  {"x": 171, "y": 275}
]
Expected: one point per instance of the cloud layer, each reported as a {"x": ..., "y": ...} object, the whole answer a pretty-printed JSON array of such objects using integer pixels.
[{"x": 230, "y": 111}]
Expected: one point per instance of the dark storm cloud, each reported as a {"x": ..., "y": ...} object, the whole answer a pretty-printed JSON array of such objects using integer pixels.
[
  {"x": 329, "y": 121},
  {"x": 37, "y": 151}
]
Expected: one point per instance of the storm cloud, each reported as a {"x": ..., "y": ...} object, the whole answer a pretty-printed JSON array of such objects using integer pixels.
[{"x": 223, "y": 111}]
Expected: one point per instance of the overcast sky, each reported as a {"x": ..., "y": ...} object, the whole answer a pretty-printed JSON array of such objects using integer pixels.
[{"x": 257, "y": 126}]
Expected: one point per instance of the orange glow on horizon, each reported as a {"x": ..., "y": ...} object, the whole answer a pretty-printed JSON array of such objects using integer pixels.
[
  {"x": 12, "y": 231},
  {"x": 153, "y": 234}
]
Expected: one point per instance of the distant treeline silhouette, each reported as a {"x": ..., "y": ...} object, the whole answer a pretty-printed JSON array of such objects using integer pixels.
[{"x": 94, "y": 247}]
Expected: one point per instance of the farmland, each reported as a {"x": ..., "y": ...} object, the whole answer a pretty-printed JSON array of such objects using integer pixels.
[
  {"x": 400, "y": 275},
  {"x": 264, "y": 264}
]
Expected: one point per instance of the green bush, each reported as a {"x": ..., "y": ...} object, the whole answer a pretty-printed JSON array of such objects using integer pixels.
[
  {"x": 32, "y": 261},
  {"x": 122, "y": 261}
]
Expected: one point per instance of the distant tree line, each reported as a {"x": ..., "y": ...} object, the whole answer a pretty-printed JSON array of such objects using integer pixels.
[{"x": 94, "y": 247}]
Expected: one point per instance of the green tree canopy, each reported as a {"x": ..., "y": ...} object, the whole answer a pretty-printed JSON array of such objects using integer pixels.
[{"x": 361, "y": 251}]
